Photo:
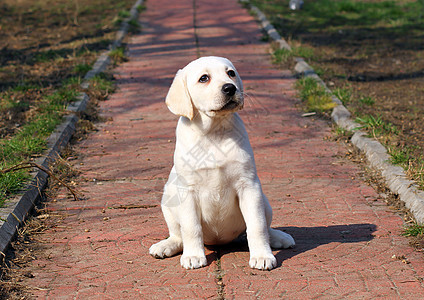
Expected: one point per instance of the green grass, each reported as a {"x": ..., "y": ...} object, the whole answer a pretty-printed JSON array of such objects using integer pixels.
[
  {"x": 314, "y": 96},
  {"x": 30, "y": 140},
  {"x": 303, "y": 51},
  {"x": 23, "y": 87},
  {"x": 134, "y": 26},
  {"x": 376, "y": 125},
  {"x": 124, "y": 14},
  {"x": 344, "y": 94},
  {"x": 10, "y": 103},
  {"x": 400, "y": 156},
  {"x": 118, "y": 55},
  {"x": 412, "y": 164},
  {"x": 82, "y": 69},
  {"x": 342, "y": 132},
  {"x": 12, "y": 182},
  {"x": 413, "y": 230},
  {"x": 367, "y": 101},
  {"x": 102, "y": 84},
  {"x": 283, "y": 55},
  {"x": 141, "y": 8}
]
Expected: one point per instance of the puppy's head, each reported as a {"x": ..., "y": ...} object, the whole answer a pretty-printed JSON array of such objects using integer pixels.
[{"x": 210, "y": 85}]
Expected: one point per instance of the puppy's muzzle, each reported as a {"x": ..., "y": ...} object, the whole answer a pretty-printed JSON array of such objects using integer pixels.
[{"x": 233, "y": 102}]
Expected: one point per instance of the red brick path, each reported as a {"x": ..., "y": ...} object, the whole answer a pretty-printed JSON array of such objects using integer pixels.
[{"x": 346, "y": 236}]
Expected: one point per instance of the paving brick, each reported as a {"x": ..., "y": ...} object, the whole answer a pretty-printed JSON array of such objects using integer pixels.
[{"x": 346, "y": 236}]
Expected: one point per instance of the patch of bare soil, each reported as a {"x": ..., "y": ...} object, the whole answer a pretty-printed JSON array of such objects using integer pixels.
[{"x": 387, "y": 69}]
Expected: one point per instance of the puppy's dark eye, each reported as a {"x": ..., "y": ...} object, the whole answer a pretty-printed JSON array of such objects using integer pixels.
[
  {"x": 231, "y": 73},
  {"x": 204, "y": 78}
]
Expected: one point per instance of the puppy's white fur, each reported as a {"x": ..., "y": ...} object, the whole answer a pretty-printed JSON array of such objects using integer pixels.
[{"x": 213, "y": 193}]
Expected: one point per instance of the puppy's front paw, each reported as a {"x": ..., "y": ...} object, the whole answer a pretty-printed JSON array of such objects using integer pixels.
[
  {"x": 266, "y": 262},
  {"x": 166, "y": 248},
  {"x": 193, "y": 262}
]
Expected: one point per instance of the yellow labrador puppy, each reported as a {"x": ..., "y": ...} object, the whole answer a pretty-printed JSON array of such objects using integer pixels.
[{"x": 213, "y": 193}]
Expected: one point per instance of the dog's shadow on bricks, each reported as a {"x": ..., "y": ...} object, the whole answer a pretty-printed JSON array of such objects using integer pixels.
[{"x": 308, "y": 238}]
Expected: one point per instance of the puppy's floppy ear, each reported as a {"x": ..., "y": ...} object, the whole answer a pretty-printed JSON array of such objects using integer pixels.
[{"x": 178, "y": 99}]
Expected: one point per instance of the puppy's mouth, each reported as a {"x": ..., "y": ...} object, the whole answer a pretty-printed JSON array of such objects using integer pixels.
[{"x": 230, "y": 105}]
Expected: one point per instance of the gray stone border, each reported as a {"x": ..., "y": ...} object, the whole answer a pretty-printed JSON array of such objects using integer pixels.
[
  {"x": 376, "y": 154},
  {"x": 16, "y": 210}
]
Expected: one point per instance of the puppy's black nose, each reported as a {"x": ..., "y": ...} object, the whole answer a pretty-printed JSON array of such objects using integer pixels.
[{"x": 229, "y": 89}]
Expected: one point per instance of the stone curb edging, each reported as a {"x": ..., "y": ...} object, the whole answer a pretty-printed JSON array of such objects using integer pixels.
[
  {"x": 15, "y": 211},
  {"x": 376, "y": 153}
]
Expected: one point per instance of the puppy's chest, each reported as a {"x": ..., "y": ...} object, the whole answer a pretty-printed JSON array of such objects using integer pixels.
[
  {"x": 211, "y": 155},
  {"x": 216, "y": 202},
  {"x": 216, "y": 190},
  {"x": 221, "y": 217}
]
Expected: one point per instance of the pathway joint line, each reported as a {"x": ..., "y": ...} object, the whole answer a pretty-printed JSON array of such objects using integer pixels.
[{"x": 219, "y": 276}]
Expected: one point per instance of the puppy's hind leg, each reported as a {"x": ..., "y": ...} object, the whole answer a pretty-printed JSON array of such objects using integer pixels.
[
  {"x": 174, "y": 243},
  {"x": 279, "y": 239}
]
